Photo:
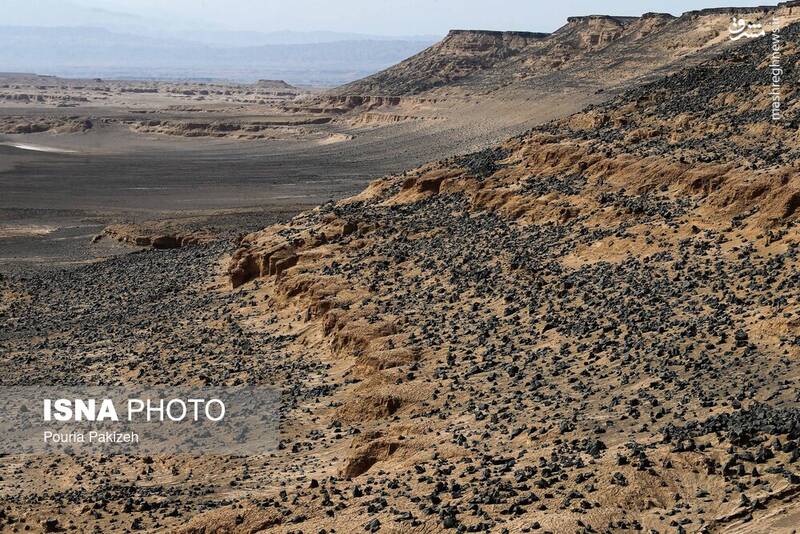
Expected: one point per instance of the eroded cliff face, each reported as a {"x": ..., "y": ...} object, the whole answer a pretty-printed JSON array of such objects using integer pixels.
[
  {"x": 600, "y": 311},
  {"x": 458, "y": 55},
  {"x": 617, "y": 48},
  {"x": 594, "y": 32}
]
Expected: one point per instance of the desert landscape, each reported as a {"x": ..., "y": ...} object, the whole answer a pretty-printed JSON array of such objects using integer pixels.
[{"x": 518, "y": 282}]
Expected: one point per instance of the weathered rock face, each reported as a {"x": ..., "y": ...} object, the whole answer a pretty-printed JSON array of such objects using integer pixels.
[
  {"x": 24, "y": 125},
  {"x": 594, "y": 32},
  {"x": 156, "y": 235},
  {"x": 259, "y": 257},
  {"x": 247, "y": 264}
]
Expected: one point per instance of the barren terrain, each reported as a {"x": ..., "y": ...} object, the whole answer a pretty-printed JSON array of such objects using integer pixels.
[
  {"x": 591, "y": 326},
  {"x": 81, "y": 154}
]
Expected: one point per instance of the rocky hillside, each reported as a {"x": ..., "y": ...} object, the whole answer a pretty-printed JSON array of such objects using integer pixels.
[
  {"x": 593, "y": 327},
  {"x": 619, "y": 49}
]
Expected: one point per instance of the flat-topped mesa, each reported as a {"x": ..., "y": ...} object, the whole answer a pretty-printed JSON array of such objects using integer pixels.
[
  {"x": 495, "y": 33},
  {"x": 274, "y": 84},
  {"x": 495, "y": 43},
  {"x": 792, "y": 4},
  {"x": 655, "y": 15},
  {"x": 622, "y": 21}
]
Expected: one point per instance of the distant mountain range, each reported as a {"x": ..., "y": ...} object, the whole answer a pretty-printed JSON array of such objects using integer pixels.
[
  {"x": 98, "y": 52},
  {"x": 165, "y": 23},
  {"x": 227, "y": 38},
  {"x": 49, "y": 13},
  {"x": 65, "y": 38}
]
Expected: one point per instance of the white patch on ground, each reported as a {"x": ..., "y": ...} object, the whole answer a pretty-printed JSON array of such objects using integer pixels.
[
  {"x": 25, "y": 230},
  {"x": 39, "y": 148}
]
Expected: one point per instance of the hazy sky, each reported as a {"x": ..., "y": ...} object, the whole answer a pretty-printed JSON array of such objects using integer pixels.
[{"x": 395, "y": 17}]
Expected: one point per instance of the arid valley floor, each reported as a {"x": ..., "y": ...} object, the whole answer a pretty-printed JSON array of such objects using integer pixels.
[{"x": 518, "y": 283}]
